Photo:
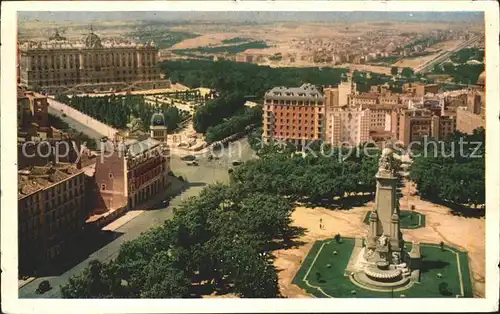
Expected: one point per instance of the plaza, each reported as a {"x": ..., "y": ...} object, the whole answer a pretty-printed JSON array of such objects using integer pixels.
[{"x": 322, "y": 273}]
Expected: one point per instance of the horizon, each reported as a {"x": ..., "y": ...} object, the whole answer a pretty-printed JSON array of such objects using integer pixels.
[{"x": 255, "y": 16}]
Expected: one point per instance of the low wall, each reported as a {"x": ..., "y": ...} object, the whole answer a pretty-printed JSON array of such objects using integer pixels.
[{"x": 84, "y": 119}]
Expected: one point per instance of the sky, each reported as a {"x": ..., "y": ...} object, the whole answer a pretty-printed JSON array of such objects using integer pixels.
[{"x": 261, "y": 17}]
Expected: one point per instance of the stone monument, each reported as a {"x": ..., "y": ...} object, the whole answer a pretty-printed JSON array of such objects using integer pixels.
[{"x": 383, "y": 263}]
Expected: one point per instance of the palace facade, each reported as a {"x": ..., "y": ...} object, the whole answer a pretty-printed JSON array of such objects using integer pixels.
[{"x": 62, "y": 66}]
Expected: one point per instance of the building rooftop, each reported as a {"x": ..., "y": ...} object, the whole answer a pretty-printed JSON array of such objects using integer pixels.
[
  {"x": 142, "y": 146},
  {"x": 304, "y": 92},
  {"x": 92, "y": 41},
  {"x": 35, "y": 178}
]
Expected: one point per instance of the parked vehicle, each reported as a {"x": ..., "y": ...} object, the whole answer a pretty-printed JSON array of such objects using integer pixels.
[
  {"x": 192, "y": 163},
  {"x": 237, "y": 163},
  {"x": 188, "y": 158},
  {"x": 43, "y": 287}
]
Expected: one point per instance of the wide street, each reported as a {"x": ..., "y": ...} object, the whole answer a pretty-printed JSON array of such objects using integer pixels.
[
  {"x": 196, "y": 176},
  {"x": 75, "y": 124}
]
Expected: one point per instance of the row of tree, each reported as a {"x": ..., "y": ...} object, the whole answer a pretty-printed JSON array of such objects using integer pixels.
[
  {"x": 461, "y": 73},
  {"x": 217, "y": 241},
  {"x": 117, "y": 111},
  {"x": 452, "y": 171},
  {"x": 216, "y": 110},
  {"x": 245, "y": 78},
  {"x": 466, "y": 54},
  {"x": 405, "y": 72},
  {"x": 318, "y": 177},
  {"x": 235, "y": 124}
]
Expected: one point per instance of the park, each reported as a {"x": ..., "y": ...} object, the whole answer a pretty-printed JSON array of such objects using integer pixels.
[{"x": 450, "y": 264}]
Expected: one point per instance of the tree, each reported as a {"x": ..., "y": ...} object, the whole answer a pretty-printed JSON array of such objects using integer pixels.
[
  {"x": 407, "y": 72},
  {"x": 98, "y": 280},
  {"x": 253, "y": 274},
  {"x": 235, "y": 124},
  {"x": 437, "y": 172},
  {"x": 394, "y": 70},
  {"x": 162, "y": 280},
  {"x": 214, "y": 111}
]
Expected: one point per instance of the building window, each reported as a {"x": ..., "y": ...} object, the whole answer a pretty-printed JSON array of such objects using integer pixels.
[
  {"x": 103, "y": 187},
  {"x": 111, "y": 175}
]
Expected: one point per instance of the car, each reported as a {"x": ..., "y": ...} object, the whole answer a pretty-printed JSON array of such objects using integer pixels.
[
  {"x": 165, "y": 202},
  {"x": 43, "y": 287},
  {"x": 192, "y": 163},
  {"x": 188, "y": 158},
  {"x": 237, "y": 163}
]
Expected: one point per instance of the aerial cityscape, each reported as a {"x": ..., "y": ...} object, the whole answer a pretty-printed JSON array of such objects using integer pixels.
[{"x": 251, "y": 155}]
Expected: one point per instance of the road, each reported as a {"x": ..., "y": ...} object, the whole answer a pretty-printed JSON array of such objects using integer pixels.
[
  {"x": 429, "y": 65},
  {"x": 75, "y": 124},
  {"x": 197, "y": 177}
]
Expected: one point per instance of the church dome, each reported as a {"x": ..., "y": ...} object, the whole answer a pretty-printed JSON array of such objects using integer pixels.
[
  {"x": 92, "y": 41},
  {"x": 158, "y": 119},
  {"x": 481, "y": 79}
]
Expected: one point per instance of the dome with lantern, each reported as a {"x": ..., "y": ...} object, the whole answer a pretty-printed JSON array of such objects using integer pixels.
[{"x": 93, "y": 41}]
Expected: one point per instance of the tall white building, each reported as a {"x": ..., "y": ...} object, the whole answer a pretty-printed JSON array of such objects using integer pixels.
[
  {"x": 350, "y": 125},
  {"x": 345, "y": 89}
]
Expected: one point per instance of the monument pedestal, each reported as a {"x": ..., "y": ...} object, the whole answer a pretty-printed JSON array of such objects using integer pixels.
[{"x": 380, "y": 264}]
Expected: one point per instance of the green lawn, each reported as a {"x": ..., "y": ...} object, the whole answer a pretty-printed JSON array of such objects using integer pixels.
[
  {"x": 325, "y": 281},
  {"x": 408, "y": 219}
]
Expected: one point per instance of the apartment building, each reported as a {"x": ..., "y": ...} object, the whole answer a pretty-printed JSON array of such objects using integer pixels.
[
  {"x": 420, "y": 89},
  {"x": 346, "y": 89},
  {"x": 331, "y": 95},
  {"x": 380, "y": 117},
  {"x": 51, "y": 213},
  {"x": 363, "y": 99},
  {"x": 294, "y": 114},
  {"x": 409, "y": 125},
  {"x": 473, "y": 115},
  {"x": 348, "y": 126},
  {"x": 32, "y": 108}
]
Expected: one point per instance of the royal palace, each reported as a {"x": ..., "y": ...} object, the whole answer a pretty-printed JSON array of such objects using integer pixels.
[{"x": 62, "y": 66}]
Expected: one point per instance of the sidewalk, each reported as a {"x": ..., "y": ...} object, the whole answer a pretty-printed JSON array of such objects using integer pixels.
[
  {"x": 21, "y": 283},
  {"x": 122, "y": 220},
  {"x": 175, "y": 188}
]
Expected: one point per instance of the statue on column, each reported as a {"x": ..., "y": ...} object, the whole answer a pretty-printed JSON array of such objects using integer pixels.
[{"x": 386, "y": 160}]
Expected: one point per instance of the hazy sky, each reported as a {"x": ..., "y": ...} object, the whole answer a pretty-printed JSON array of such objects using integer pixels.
[{"x": 258, "y": 16}]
